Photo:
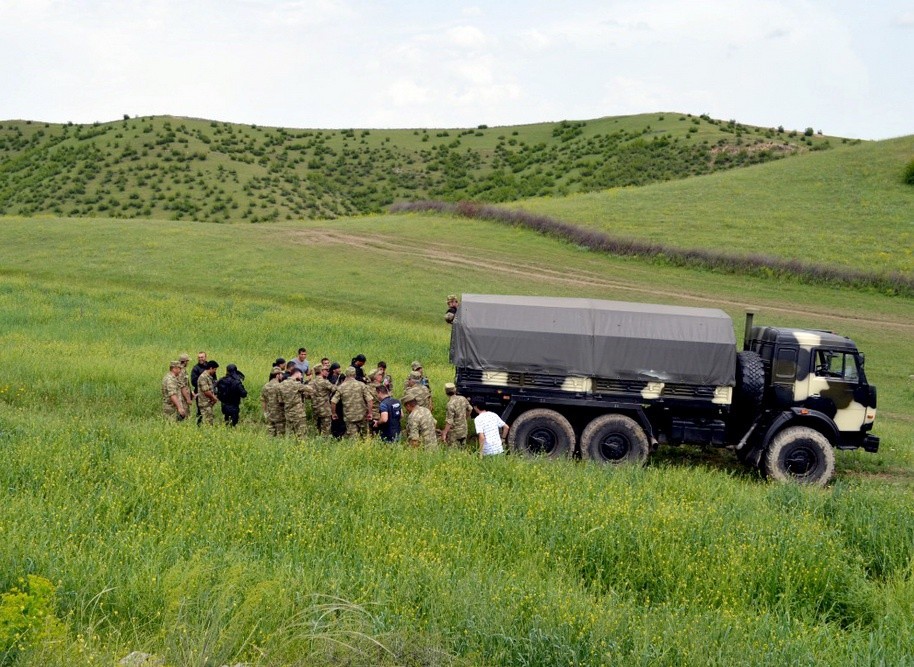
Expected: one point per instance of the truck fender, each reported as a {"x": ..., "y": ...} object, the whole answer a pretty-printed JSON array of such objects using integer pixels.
[{"x": 812, "y": 418}]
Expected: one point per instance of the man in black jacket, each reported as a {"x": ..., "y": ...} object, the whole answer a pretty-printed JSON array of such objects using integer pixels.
[{"x": 230, "y": 390}]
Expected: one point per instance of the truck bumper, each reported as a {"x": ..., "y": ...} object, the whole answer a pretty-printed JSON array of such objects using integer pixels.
[{"x": 871, "y": 443}]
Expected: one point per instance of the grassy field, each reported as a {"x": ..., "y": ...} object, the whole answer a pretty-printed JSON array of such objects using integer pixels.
[
  {"x": 844, "y": 207},
  {"x": 213, "y": 547},
  {"x": 183, "y": 168}
]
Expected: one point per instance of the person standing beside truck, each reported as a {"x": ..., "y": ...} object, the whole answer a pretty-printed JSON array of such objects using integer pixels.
[{"x": 487, "y": 427}]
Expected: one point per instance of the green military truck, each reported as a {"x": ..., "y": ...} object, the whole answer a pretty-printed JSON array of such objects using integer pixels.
[{"x": 609, "y": 381}]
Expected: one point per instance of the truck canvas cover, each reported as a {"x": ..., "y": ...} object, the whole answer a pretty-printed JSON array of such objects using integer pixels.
[{"x": 594, "y": 338}]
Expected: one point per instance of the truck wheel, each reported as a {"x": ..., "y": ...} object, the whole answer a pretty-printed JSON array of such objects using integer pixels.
[
  {"x": 615, "y": 439},
  {"x": 542, "y": 432},
  {"x": 750, "y": 385},
  {"x": 800, "y": 454}
]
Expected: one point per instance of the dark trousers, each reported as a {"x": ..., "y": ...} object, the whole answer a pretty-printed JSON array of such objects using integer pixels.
[{"x": 230, "y": 412}]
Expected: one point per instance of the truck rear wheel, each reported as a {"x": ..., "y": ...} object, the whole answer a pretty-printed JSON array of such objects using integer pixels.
[
  {"x": 615, "y": 439},
  {"x": 800, "y": 454},
  {"x": 542, "y": 432}
]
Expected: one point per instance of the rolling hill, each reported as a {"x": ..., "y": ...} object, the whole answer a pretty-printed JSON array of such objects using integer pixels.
[{"x": 181, "y": 168}]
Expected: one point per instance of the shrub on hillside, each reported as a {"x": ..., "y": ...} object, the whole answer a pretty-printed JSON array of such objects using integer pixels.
[{"x": 908, "y": 176}]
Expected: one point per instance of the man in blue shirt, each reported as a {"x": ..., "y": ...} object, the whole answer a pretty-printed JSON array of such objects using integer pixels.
[{"x": 388, "y": 426}]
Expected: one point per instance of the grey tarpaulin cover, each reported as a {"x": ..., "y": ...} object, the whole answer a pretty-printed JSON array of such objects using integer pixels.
[{"x": 594, "y": 338}]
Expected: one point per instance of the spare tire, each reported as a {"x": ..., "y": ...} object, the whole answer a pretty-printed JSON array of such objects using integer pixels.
[
  {"x": 542, "y": 432},
  {"x": 750, "y": 387}
]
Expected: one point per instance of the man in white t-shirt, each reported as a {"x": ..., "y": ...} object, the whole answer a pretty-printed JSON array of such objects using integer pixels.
[{"x": 487, "y": 427}]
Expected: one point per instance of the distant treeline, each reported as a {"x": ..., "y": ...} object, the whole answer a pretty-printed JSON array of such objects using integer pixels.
[{"x": 892, "y": 283}]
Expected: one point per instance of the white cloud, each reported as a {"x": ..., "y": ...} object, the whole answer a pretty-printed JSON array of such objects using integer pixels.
[
  {"x": 406, "y": 92},
  {"x": 466, "y": 36},
  {"x": 905, "y": 20}
]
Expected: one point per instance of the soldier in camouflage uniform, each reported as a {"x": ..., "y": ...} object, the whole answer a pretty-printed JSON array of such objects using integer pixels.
[
  {"x": 172, "y": 403},
  {"x": 357, "y": 399},
  {"x": 420, "y": 430},
  {"x": 271, "y": 402},
  {"x": 375, "y": 382},
  {"x": 206, "y": 395},
  {"x": 414, "y": 387},
  {"x": 456, "y": 414},
  {"x": 185, "y": 382},
  {"x": 293, "y": 394},
  {"x": 320, "y": 400}
]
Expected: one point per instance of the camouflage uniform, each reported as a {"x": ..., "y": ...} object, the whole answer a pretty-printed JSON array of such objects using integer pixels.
[
  {"x": 456, "y": 417},
  {"x": 423, "y": 396},
  {"x": 357, "y": 400},
  {"x": 271, "y": 395},
  {"x": 171, "y": 386},
  {"x": 185, "y": 387},
  {"x": 420, "y": 431},
  {"x": 293, "y": 395},
  {"x": 375, "y": 402},
  {"x": 320, "y": 403},
  {"x": 205, "y": 383}
]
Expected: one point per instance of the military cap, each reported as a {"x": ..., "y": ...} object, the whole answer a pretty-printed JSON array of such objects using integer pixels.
[
  {"x": 416, "y": 365},
  {"x": 451, "y": 297},
  {"x": 184, "y": 357},
  {"x": 450, "y": 386},
  {"x": 212, "y": 363},
  {"x": 174, "y": 364},
  {"x": 350, "y": 372},
  {"x": 409, "y": 397},
  {"x": 415, "y": 375},
  {"x": 275, "y": 370}
]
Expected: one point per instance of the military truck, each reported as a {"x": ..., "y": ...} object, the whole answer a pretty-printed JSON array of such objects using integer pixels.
[{"x": 610, "y": 381}]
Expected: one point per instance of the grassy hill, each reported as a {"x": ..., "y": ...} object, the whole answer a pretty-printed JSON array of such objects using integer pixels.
[
  {"x": 845, "y": 207},
  {"x": 181, "y": 168},
  {"x": 214, "y": 547}
]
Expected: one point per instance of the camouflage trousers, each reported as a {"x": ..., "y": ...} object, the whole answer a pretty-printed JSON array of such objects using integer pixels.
[
  {"x": 170, "y": 412},
  {"x": 297, "y": 426},
  {"x": 322, "y": 422},
  {"x": 357, "y": 428},
  {"x": 276, "y": 427},
  {"x": 206, "y": 414}
]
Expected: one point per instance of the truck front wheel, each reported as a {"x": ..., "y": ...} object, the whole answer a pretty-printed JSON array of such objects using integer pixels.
[
  {"x": 542, "y": 432},
  {"x": 800, "y": 454},
  {"x": 615, "y": 439}
]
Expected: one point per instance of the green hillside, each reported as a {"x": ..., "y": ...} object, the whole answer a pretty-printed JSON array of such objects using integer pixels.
[
  {"x": 845, "y": 207},
  {"x": 214, "y": 547},
  {"x": 181, "y": 168}
]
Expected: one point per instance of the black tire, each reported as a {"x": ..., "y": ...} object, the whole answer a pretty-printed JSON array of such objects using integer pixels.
[
  {"x": 542, "y": 432},
  {"x": 615, "y": 439},
  {"x": 750, "y": 385},
  {"x": 800, "y": 454}
]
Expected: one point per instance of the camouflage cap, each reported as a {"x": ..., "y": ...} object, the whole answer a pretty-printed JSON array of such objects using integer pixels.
[
  {"x": 450, "y": 386},
  {"x": 184, "y": 357},
  {"x": 409, "y": 397},
  {"x": 416, "y": 365},
  {"x": 451, "y": 297},
  {"x": 174, "y": 364},
  {"x": 275, "y": 370},
  {"x": 415, "y": 375},
  {"x": 350, "y": 372}
]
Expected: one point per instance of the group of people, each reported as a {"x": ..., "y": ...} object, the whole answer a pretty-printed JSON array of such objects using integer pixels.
[{"x": 343, "y": 402}]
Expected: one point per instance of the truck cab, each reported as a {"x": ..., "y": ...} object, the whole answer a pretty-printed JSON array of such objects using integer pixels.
[{"x": 821, "y": 373}]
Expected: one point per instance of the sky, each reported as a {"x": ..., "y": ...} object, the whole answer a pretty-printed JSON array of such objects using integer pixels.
[{"x": 844, "y": 67}]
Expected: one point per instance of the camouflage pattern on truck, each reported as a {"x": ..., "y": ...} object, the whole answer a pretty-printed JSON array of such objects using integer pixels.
[{"x": 819, "y": 371}]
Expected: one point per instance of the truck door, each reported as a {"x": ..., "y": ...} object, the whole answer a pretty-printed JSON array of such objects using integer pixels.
[{"x": 834, "y": 385}]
